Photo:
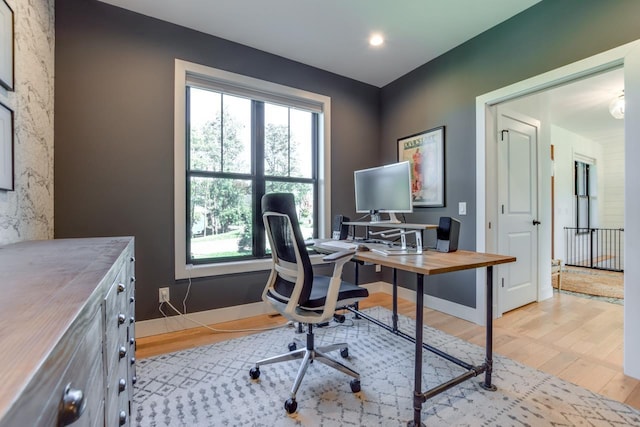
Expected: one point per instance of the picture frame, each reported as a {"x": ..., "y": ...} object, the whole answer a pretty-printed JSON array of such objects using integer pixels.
[
  {"x": 6, "y": 45},
  {"x": 425, "y": 153},
  {"x": 6, "y": 148}
]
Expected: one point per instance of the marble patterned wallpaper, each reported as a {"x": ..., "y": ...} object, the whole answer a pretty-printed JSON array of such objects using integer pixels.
[{"x": 27, "y": 212}]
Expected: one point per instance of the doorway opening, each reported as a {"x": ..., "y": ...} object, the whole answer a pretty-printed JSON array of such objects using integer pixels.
[
  {"x": 626, "y": 56},
  {"x": 586, "y": 198}
]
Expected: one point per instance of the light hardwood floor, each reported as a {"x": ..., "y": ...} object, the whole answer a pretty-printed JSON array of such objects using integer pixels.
[{"x": 577, "y": 339}]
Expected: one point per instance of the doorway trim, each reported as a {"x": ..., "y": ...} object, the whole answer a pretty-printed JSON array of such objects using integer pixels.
[{"x": 486, "y": 134}]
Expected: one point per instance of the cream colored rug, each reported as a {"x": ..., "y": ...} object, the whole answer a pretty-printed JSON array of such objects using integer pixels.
[{"x": 592, "y": 282}]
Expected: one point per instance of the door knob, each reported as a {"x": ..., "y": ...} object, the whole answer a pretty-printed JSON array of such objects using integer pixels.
[{"x": 536, "y": 222}]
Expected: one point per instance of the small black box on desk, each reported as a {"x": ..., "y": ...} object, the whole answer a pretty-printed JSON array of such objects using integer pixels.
[{"x": 447, "y": 234}]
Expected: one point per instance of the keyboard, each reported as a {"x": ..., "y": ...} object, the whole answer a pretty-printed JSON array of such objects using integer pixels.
[{"x": 340, "y": 244}]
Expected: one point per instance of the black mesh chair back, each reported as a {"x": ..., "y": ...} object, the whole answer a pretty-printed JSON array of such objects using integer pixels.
[{"x": 287, "y": 244}]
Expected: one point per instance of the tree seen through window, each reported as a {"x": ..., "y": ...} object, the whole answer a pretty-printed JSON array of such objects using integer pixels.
[{"x": 239, "y": 149}]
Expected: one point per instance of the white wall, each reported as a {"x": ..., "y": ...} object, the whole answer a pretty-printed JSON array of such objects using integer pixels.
[
  {"x": 612, "y": 198},
  {"x": 27, "y": 212},
  {"x": 632, "y": 207},
  {"x": 568, "y": 147}
]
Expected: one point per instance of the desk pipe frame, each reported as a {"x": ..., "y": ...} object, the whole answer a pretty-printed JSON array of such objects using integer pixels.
[{"x": 420, "y": 397}]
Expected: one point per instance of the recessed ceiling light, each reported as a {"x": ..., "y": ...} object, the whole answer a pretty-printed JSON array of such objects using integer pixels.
[{"x": 376, "y": 40}]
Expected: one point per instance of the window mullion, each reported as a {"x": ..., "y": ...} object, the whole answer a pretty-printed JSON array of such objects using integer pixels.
[
  {"x": 222, "y": 168},
  {"x": 258, "y": 143}
]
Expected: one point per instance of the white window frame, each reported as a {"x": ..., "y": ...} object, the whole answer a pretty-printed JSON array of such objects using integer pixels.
[{"x": 185, "y": 70}]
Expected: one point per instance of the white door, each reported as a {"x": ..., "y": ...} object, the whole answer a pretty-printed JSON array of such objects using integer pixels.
[{"x": 517, "y": 210}]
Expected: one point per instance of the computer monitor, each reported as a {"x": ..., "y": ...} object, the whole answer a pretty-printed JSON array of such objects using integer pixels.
[{"x": 384, "y": 189}]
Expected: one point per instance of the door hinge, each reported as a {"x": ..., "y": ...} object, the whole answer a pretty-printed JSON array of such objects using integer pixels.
[
  {"x": 503, "y": 209},
  {"x": 503, "y": 282},
  {"x": 502, "y": 132}
]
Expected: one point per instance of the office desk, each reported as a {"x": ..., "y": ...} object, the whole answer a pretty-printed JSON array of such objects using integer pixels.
[{"x": 428, "y": 264}]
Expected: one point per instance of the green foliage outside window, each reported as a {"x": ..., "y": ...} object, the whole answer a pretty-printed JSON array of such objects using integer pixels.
[{"x": 221, "y": 184}]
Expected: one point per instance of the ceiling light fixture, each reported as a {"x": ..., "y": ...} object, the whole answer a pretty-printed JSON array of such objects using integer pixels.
[
  {"x": 376, "y": 40},
  {"x": 616, "y": 107}
]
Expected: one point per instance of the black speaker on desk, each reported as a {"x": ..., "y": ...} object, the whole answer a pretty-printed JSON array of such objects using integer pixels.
[
  {"x": 447, "y": 234},
  {"x": 340, "y": 230}
]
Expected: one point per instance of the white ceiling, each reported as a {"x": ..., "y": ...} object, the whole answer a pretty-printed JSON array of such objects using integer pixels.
[
  {"x": 581, "y": 107},
  {"x": 333, "y": 35}
]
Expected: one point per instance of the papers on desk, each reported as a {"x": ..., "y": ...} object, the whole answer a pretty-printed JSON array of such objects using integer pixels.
[{"x": 340, "y": 244}]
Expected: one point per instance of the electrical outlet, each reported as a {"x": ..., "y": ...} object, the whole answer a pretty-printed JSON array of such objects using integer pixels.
[
  {"x": 378, "y": 268},
  {"x": 163, "y": 295}
]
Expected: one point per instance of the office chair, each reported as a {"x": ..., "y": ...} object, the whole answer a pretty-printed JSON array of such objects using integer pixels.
[{"x": 299, "y": 295}]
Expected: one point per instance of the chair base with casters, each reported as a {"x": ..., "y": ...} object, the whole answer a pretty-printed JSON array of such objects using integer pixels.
[{"x": 308, "y": 355}]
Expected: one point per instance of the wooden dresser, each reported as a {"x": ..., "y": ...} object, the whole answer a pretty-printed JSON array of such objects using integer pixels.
[{"x": 67, "y": 339}]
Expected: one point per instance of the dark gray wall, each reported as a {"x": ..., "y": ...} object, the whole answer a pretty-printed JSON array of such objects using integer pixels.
[
  {"x": 442, "y": 92},
  {"x": 114, "y": 122},
  {"x": 114, "y": 136}
]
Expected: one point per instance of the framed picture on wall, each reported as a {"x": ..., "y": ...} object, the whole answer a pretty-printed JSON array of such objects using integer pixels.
[
  {"x": 425, "y": 153},
  {"x": 6, "y": 46},
  {"x": 6, "y": 148}
]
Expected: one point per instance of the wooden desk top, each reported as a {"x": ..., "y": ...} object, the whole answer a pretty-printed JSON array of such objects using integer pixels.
[{"x": 432, "y": 262}]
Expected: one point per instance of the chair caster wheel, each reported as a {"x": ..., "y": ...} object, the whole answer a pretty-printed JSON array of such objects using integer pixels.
[
  {"x": 339, "y": 318},
  {"x": 355, "y": 385},
  {"x": 290, "y": 406},
  {"x": 292, "y": 346},
  {"x": 254, "y": 373},
  {"x": 344, "y": 352}
]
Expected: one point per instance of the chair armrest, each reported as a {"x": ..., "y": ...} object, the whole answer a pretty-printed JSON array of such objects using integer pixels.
[{"x": 338, "y": 255}]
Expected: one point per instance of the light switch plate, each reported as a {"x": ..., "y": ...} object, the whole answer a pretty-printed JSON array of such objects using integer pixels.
[{"x": 462, "y": 208}]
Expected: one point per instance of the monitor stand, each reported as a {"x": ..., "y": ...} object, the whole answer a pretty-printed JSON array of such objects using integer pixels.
[{"x": 377, "y": 219}]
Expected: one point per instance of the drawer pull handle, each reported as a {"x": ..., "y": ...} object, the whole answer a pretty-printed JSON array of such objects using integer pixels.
[
  {"x": 134, "y": 379},
  {"x": 132, "y": 319},
  {"x": 122, "y": 351},
  {"x": 132, "y": 299},
  {"x": 123, "y": 418},
  {"x": 121, "y": 287},
  {"x": 132, "y": 259},
  {"x": 133, "y": 279},
  {"x": 71, "y": 406},
  {"x": 121, "y": 318},
  {"x": 132, "y": 341},
  {"x": 133, "y": 360},
  {"x": 122, "y": 385}
]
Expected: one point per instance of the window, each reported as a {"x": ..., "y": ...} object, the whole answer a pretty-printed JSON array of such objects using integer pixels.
[
  {"x": 238, "y": 138},
  {"x": 585, "y": 192}
]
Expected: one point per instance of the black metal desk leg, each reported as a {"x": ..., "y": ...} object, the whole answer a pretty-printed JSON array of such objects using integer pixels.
[
  {"x": 418, "y": 398},
  {"x": 489, "y": 333},
  {"x": 356, "y": 279},
  {"x": 394, "y": 318}
]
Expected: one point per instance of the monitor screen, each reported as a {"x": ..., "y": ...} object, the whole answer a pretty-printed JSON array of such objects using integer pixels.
[{"x": 384, "y": 189}]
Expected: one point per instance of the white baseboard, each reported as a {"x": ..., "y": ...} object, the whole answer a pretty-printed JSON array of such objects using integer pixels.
[
  {"x": 454, "y": 309},
  {"x": 176, "y": 323}
]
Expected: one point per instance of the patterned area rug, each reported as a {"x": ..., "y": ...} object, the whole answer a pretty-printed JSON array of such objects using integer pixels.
[{"x": 210, "y": 386}]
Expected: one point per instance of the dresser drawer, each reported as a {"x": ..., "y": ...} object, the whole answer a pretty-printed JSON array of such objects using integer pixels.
[
  {"x": 81, "y": 377},
  {"x": 118, "y": 394},
  {"x": 117, "y": 320}
]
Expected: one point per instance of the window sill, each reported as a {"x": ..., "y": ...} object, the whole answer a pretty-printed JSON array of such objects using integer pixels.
[{"x": 234, "y": 267}]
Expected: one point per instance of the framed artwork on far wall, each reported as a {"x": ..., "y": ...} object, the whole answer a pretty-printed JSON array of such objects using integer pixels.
[
  {"x": 425, "y": 153},
  {"x": 6, "y": 46},
  {"x": 6, "y": 148}
]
